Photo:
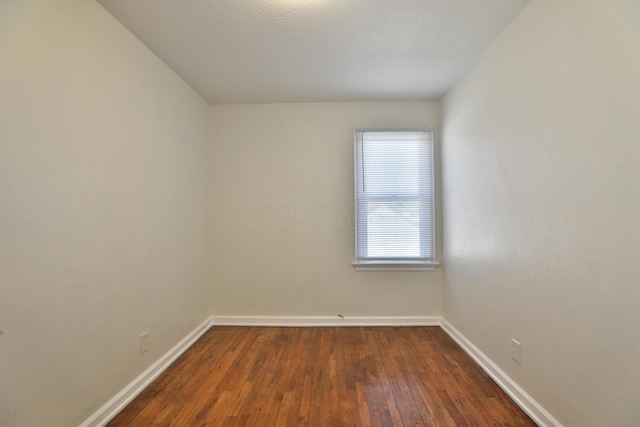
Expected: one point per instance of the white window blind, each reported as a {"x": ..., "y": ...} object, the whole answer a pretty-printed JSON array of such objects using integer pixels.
[{"x": 394, "y": 197}]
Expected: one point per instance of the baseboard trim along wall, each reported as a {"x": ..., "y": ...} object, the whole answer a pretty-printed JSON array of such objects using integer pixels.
[
  {"x": 537, "y": 413},
  {"x": 110, "y": 409},
  {"x": 326, "y": 320}
]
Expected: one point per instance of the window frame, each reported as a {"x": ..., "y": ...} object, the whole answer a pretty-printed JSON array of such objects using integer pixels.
[{"x": 398, "y": 263}]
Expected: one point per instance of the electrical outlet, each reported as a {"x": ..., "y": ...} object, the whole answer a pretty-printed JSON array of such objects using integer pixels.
[
  {"x": 516, "y": 351},
  {"x": 144, "y": 342}
]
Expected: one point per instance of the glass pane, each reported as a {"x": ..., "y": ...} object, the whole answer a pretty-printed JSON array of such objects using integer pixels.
[
  {"x": 393, "y": 230},
  {"x": 393, "y": 167}
]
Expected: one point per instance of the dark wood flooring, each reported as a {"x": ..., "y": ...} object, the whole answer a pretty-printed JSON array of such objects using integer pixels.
[{"x": 348, "y": 376}]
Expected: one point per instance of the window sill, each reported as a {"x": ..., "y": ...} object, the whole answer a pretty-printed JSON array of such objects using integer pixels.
[{"x": 394, "y": 266}]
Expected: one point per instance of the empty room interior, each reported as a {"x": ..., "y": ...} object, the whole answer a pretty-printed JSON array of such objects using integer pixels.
[{"x": 173, "y": 168}]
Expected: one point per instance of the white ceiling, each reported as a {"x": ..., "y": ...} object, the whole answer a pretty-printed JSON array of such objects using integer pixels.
[{"x": 255, "y": 51}]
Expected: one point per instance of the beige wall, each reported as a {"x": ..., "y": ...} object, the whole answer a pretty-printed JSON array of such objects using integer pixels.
[
  {"x": 541, "y": 149},
  {"x": 282, "y": 213},
  {"x": 104, "y": 164}
]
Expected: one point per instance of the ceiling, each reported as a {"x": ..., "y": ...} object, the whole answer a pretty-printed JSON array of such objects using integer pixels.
[{"x": 259, "y": 51}]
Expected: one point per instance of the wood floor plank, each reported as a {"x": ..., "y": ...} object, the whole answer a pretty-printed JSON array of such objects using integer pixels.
[{"x": 317, "y": 377}]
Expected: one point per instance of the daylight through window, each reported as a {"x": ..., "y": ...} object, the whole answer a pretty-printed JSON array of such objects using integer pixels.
[{"x": 394, "y": 198}]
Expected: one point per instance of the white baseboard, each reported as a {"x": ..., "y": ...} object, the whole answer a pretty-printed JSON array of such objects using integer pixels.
[
  {"x": 110, "y": 409},
  {"x": 537, "y": 413},
  {"x": 326, "y": 320}
]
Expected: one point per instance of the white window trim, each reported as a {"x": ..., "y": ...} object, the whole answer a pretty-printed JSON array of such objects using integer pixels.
[
  {"x": 401, "y": 265},
  {"x": 394, "y": 266}
]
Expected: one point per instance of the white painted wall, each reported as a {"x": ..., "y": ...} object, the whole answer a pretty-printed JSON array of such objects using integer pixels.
[
  {"x": 104, "y": 162},
  {"x": 282, "y": 213},
  {"x": 541, "y": 200}
]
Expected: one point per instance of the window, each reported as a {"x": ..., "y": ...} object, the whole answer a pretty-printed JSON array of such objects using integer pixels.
[{"x": 395, "y": 226}]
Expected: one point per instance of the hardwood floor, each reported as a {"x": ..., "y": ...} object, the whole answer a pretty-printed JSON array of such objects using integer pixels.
[{"x": 349, "y": 376}]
